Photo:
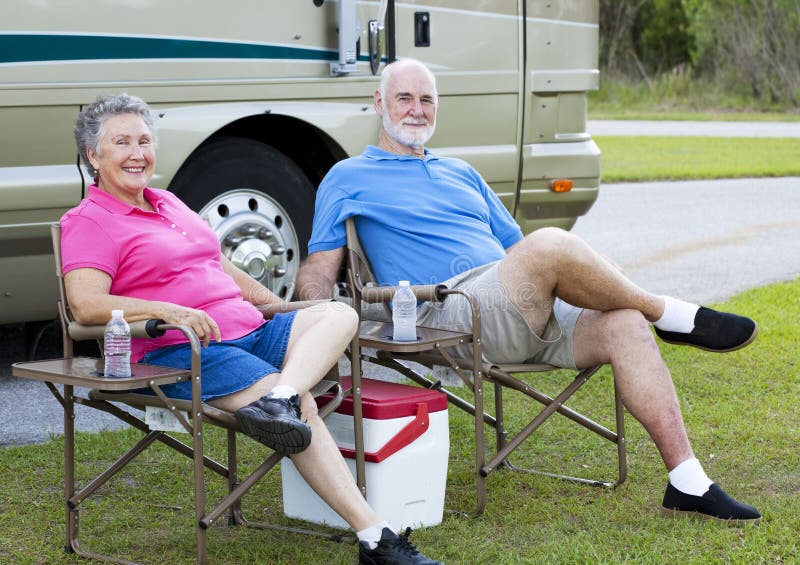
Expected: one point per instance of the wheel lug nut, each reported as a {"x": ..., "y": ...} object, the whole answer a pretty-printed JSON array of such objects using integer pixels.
[
  {"x": 278, "y": 271},
  {"x": 264, "y": 233},
  {"x": 233, "y": 240},
  {"x": 277, "y": 249}
]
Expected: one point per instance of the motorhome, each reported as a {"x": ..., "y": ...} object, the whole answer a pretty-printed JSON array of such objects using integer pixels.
[{"x": 257, "y": 99}]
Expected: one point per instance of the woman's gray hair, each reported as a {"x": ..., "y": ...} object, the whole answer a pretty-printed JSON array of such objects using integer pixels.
[{"x": 89, "y": 127}]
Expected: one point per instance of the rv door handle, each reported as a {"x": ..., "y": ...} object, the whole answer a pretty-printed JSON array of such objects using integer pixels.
[{"x": 422, "y": 29}]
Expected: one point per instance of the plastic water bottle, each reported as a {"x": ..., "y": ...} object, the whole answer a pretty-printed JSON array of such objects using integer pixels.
[
  {"x": 117, "y": 346},
  {"x": 404, "y": 313}
]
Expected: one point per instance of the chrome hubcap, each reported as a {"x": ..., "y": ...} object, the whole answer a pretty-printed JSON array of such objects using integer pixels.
[{"x": 258, "y": 236}]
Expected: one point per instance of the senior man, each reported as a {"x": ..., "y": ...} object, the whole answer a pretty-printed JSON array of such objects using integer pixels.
[{"x": 547, "y": 297}]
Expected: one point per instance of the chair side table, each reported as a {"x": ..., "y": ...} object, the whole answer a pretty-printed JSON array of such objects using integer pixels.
[{"x": 87, "y": 372}]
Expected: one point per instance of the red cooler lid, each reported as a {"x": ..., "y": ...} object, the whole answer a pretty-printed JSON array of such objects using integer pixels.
[{"x": 384, "y": 401}]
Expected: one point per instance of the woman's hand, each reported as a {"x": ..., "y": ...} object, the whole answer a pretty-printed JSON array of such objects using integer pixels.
[{"x": 201, "y": 323}]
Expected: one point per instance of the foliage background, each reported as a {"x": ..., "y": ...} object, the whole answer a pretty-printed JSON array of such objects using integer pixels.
[{"x": 739, "y": 50}]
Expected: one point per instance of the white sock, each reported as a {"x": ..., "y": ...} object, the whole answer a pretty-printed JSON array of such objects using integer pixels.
[
  {"x": 372, "y": 535},
  {"x": 282, "y": 391},
  {"x": 690, "y": 478},
  {"x": 678, "y": 316}
]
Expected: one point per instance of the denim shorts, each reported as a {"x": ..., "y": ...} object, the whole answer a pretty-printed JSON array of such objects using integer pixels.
[{"x": 229, "y": 366}]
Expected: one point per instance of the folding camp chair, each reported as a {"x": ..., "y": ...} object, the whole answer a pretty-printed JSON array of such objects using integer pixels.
[
  {"x": 431, "y": 349},
  {"x": 74, "y": 371}
]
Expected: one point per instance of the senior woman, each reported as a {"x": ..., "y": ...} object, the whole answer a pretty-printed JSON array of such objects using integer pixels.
[{"x": 130, "y": 247}]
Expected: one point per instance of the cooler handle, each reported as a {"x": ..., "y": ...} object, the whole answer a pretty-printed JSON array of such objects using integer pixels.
[{"x": 410, "y": 432}]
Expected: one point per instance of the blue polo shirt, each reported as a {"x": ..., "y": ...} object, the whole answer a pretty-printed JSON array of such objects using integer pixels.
[{"x": 423, "y": 220}]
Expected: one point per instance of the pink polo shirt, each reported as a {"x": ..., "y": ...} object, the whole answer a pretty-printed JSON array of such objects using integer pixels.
[{"x": 171, "y": 255}]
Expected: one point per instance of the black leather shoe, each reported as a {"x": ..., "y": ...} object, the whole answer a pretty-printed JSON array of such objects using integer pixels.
[
  {"x": 276, "y": 423},
  {"x": 393, "y": 550},
  {"x": 715, "y": 504},
  {"x": 715, "y": 331}
]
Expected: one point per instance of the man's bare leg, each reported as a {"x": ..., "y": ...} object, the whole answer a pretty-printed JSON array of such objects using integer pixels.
[
  {"x": 551, "y": 263},
  {"x": 623, "y": 339}
]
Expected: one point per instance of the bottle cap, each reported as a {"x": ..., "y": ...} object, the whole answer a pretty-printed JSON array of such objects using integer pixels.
[
  {"x": 117, "y": 313},
  {"x": 404, "y": 283}
]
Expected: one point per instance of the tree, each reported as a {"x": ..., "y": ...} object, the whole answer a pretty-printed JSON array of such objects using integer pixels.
[
  {"x": 745, "y": 46},
  {"x": 751, "y": 45}
]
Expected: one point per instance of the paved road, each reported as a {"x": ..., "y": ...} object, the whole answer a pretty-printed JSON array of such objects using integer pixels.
[{"x": 701, "y": 240}]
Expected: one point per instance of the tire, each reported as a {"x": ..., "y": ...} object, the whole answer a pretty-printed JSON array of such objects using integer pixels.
[{"x": 259, "y": 203}]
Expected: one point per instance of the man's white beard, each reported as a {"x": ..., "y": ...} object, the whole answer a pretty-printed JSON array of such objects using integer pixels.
[{"x": 409, "y": 139}]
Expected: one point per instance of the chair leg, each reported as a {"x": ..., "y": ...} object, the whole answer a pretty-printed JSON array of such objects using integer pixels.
[
  {"x": 71, "y": 500},
  {"x": 499, "y": 427},
  {"x": 239, "y": 490},
  {"x": 69, "y": 467},
  {"x": 163, "y": 437},
  {"x": 96, "y": 556},
  {"x": 198, "y": 465},
  {"x": 235, "y": 517},
  {"x": 358, "y": 417},
  {"x": 622, "y": 452},
  {"x": 553, "y": 405},
  {"x": 236, "y": 490},
  {"x": 77, "y": 498},
  {"x": 480, "y": 446}
]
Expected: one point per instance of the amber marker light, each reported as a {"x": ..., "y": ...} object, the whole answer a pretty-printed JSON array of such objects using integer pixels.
[{"x": 561, "y": 185}]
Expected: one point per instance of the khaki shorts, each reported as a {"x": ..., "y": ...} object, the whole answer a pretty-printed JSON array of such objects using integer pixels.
[{"x": 507, "y": 337}]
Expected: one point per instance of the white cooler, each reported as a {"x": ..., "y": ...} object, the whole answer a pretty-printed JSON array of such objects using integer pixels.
[{"x": 406, "y": 444}]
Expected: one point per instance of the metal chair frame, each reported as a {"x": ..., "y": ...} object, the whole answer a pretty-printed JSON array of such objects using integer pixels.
[
  {"x": 431, "y": 349},
  {"x": 72, "y": 371}
]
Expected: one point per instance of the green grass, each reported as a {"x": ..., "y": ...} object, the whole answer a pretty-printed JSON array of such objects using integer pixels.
[
  {"x": 645, "y": 158},
  {"x": 740, "y": 410},
  {"x": 612, "y": 112},
  {"x": 680, "y": 97}
]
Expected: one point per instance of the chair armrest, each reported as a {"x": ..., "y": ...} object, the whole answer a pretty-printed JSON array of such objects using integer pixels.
[
  {"x": 143, "y": 328},
  {"x": 269, "y": 310},
  {"x": 149, "y": 328},
  {"x": 424, "y": 293}
]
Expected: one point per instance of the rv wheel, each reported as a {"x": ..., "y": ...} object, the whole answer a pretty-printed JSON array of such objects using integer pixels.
[{"x": 259, "y": 203}]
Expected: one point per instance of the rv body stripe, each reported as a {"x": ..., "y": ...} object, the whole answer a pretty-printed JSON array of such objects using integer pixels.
[{"x": 44, "y": 47}]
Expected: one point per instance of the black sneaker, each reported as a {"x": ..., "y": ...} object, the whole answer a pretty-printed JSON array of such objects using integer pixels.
[
  {"x": 715, "y": 504},
  {"x": 715, "y": 331},
  {"x": 393, "y": 550},
  {"x": 276, "y": 423}
]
